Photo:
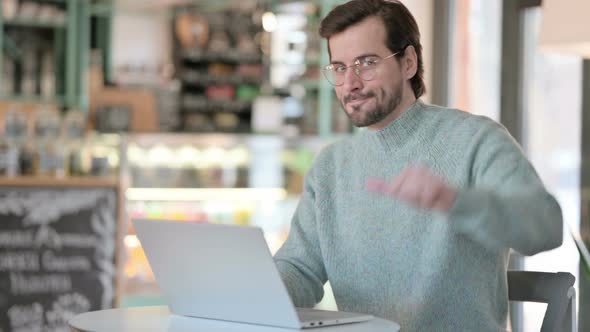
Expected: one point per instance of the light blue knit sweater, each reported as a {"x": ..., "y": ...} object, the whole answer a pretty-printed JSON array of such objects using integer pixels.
[{"x": 427, "y": 271}]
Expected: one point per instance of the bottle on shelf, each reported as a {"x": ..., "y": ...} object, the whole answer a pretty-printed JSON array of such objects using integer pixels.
[
  {"x": 20, "y": 122},
  {"x": 73, "y": 132},
  {"x": 50, "y": 156},
  {"x": 14, "y": 136},
  {"x": 29, "y": 65},
  {"x": 7, "y": 78},
  {"x": 28, "y": 9},
  {"x": 47, "y": 75},
  {"x": 9, "y": 9}
]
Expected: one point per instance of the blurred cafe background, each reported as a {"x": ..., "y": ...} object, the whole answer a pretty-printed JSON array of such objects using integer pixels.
[{"x": 213, "y": 111}]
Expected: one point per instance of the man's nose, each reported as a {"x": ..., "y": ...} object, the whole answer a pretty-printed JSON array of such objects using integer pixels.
[{"x": 352, "y": 82}]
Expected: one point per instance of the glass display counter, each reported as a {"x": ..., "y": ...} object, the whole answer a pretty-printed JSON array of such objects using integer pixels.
[{"x": 215, "y": 178}]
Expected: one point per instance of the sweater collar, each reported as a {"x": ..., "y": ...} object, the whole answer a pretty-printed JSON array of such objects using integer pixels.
[{"x": 398, "y": 131}]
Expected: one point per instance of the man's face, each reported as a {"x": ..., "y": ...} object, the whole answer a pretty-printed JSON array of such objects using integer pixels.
[{"x": 367, "y": 103}]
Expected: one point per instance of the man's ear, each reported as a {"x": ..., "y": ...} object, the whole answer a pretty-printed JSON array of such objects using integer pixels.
[{"x": 410, "y": 62}]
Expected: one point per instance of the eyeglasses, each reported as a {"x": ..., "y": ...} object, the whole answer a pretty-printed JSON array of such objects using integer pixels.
[{"x": 365, "y": 68}]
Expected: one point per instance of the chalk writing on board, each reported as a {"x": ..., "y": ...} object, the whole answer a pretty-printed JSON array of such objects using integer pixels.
[
  {"x": 64, "y": 309},
  {"x": 19, "y": 261},
  {"x": 23, "y": 317},
  {"x": 16, "y": 239},
  {"x": 54, "y": 262},
  {"x": 45, "y": 207},
  {"x": 21, "y": 284}
]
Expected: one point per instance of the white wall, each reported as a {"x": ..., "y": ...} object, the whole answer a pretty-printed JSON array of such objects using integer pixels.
[
  {"x": 423, "y": 12},
  {"x": 141, "y": 39}
]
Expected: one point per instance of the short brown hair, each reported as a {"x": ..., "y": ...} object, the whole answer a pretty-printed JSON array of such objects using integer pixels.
[{"x": 402, "y": 29}]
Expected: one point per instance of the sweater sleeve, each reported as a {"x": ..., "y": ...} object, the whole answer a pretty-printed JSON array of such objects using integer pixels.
[
  {"x": 507, "y": 205},
  {"x": 299, "y": 260}
]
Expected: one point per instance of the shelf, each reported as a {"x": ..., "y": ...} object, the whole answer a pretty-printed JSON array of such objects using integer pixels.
[
  {"x": 34, "y": 99},
  {"x": 200, "y": 104},
  {"x": 203, "y": 79},
  {"x": 34, "y": 23},
  {"x": 231, "y": 55},
  {"x": 48, "y": 181},
  {"x": 101, "y": 8}
]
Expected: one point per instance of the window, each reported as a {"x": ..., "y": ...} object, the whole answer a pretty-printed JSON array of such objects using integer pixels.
[
  {"x": 552, "y": 141},
  {"x": 475, "y": 57}
]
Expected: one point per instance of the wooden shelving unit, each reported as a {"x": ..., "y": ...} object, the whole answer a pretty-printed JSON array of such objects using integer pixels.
[{"x": 47, "y": 181}]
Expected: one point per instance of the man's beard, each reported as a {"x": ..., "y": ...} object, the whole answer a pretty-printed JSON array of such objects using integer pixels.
[{"x": 377, "y": 114}]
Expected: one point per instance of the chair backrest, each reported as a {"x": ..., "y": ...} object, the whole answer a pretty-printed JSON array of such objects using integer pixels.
[{"x": 555, "y": 289}]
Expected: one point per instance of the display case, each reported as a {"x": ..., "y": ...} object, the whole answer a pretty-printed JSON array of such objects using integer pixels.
[{"x": 217, "y": 178}]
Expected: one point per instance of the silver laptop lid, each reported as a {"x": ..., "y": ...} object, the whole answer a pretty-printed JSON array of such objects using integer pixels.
[{"x": 217, "y": 272}]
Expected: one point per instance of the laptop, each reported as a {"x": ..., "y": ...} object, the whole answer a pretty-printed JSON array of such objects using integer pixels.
[{"x": 225, "y": 272}]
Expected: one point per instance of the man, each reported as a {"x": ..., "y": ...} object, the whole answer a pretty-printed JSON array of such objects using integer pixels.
[{"x": 411, "y": 220}]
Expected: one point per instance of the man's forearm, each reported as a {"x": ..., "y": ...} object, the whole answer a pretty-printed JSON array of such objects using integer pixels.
[
  {"x": 526, "y": 222},
  {"x": 305, "y": 290}
]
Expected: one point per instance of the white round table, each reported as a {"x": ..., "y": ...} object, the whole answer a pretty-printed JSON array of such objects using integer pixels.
[{"x": 159, "y": 318}]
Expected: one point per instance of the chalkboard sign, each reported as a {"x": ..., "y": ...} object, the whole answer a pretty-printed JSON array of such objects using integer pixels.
[{"x": 57, "y": 255}]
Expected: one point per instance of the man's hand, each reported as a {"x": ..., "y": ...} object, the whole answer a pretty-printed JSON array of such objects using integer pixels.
[{"x": 419, "y": 186}]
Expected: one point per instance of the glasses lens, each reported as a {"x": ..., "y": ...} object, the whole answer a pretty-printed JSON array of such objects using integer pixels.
[
  {"x": 331, "y": 76},
  {"x": 367, "y": 73}
]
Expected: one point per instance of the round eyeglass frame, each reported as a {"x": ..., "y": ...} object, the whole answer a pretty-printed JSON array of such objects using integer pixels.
[{"x": 357, "y": 70}]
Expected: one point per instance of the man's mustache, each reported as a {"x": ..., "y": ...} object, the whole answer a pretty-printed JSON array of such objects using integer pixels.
[{"x": 357, "y": 96}]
